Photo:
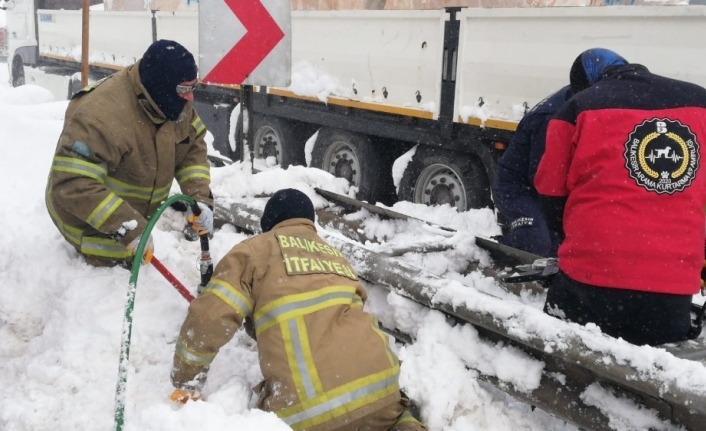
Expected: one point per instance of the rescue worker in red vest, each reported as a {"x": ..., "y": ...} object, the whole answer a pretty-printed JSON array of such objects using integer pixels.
[
  {"x": 125, "y": 140},
  {"x": 326, "y": 364},
  {"x": 622, "y": 174}
]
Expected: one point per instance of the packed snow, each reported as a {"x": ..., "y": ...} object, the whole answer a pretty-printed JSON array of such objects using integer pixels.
[{"x": 61, "y": 320}]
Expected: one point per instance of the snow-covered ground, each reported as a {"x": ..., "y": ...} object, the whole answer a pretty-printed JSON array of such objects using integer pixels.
[{"x": 61, "y": 319}]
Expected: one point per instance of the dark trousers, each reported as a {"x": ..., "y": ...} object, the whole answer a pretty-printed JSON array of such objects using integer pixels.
[{"x": 637, "y": 317}]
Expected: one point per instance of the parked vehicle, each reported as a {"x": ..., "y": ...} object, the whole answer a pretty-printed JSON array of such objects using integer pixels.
[
  {"x": 3, "y": 44},
  {"x": 450, "y": 84},
  {"x": 3, "y": 36}
]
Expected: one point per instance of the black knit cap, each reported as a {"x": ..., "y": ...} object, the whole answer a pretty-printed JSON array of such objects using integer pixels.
[
  {"x": 165, "y": 65},
  {"x": 284, "y": 205}
]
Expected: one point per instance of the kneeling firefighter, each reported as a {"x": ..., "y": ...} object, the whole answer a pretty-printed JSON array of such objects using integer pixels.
[{"x": 325, "y": 363}]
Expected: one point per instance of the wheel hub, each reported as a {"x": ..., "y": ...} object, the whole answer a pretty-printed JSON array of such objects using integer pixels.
[
  {"x": 268, "y": 147},
  {"x": 342, "y": 162},
  {"x": 442, "y": 193},
  {"x": 268, "y": 144},
  {"x": 344, "y": 168},
  {"x": 438, "y": 185}
]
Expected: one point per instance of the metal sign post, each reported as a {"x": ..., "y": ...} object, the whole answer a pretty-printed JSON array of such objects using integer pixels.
[{"x": 84, "y": 42}]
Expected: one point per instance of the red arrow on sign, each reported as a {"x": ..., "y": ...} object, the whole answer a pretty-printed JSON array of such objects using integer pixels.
[{"x": 262, "y": 35}]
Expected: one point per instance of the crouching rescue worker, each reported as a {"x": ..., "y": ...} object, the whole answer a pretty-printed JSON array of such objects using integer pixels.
[
  {"x": 125, "y": 140},
  {"x": 622, "y": 174},
  {"x": 325, "y": 363}
]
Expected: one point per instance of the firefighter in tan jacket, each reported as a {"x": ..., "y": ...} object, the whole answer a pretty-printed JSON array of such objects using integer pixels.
[
  {"x": 125, "y": 140},
  {"x": 325, "y": 363}
]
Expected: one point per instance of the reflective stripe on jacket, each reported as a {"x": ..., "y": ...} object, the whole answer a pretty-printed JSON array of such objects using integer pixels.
[
  {"x": 324, "y": 359},
  {"x": 115, "y": 163}
]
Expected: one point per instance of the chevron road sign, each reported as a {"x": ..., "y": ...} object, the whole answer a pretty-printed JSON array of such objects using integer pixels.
[{"x": 245, "y": 42}]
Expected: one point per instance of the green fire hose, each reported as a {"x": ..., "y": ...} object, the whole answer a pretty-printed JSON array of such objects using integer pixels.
[{"x": 123, "y": 366}]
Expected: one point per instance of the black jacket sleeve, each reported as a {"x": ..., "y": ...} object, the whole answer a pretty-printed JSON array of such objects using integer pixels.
[{"x": 553, "y": 209}]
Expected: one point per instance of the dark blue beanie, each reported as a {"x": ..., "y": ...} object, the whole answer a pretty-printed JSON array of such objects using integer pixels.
[
  {"x": 165, "y": 65},
  {"x": 284, "y": 205},
  {"x": 589, "y": 66}
]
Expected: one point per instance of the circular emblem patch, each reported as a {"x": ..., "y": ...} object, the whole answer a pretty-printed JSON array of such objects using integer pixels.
[{"x": 662, "y": 155}]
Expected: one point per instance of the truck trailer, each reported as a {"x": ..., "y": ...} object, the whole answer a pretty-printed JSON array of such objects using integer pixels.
[{"x": 447, "y": 85}]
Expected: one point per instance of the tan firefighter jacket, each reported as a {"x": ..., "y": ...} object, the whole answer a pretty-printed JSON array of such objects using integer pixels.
[
  {"x": 115, "y": 162},
  {"x": 324, "y": 360}
]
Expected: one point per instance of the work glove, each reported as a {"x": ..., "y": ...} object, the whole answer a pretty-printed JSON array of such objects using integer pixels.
[
  {"x": 181, "y": 396},
  {"x": 148, "y": 252},
  {"x": 204, "y": 221}
]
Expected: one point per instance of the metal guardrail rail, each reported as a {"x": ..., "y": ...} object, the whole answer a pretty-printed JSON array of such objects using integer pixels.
[{"x": 581, "y": 365}]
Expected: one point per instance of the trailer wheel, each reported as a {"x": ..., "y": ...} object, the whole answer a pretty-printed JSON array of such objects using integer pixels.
[
  {"x": 350, "y": 156},
  {"x": 443, "y": 179},
  {"x": 274, "y": 137},
  {"x": 18, "y": 72}
]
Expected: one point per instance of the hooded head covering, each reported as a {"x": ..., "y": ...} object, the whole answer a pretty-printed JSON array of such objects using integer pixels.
[
  {"x": 284, "y": 205},
  {"x": 589, "y": 66},
  {"x": 165, "y": 65}
]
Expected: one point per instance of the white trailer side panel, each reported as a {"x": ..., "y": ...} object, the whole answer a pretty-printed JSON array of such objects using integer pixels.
[
  {"x": 392, "y": 57},
  {"x": 116, "y": 38},
  {"x": 397, "y": 51},
  {"x": 511, "y": 56},
  {"x": 181, "y": 26}
]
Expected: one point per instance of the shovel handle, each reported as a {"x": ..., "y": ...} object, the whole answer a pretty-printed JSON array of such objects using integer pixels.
[
  {"x": 206, "y": 266},
  {"x": 171, "y": 279}
]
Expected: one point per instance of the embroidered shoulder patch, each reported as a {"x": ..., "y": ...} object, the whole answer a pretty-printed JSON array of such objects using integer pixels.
[
  {"x": 662, "y": 155},
  {"x": 81, "y": 149}
]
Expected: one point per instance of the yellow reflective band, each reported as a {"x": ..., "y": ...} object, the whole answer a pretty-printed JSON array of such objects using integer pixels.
[
  {"x": 390, "y": 354},
  {"x": 406, "y": 417},
  {"x": 292, "y": 306},
  {"x": 300, "y": 359},
  {"x": 104, "y": 247},
  {"x": 192, "y": 173},
  {"x": 100, "y": 174},
  {"x": 70, "y": 233},
  {"x": 161, "y": 194},
  {"x": 198, "y": 125},
  {"x": 104, "y": 210},
  {"x": 93, "y": 246},
  {"x": 193, "y": 357},
  {"x": 341, "y": 400},
  {"x": 230, "y": 295},
  {"x": 126, "y": 190},
  {"x": 79, "y": 167}
]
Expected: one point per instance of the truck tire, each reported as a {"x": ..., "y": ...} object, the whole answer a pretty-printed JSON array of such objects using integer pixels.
[
  {"x": 216, "y": 117},
  {"x": 275, "y": 137},
  {"x": 438, "y": 179},
  {"x": 350, "y": 156},
  {"x": 18, "y": 72}
]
